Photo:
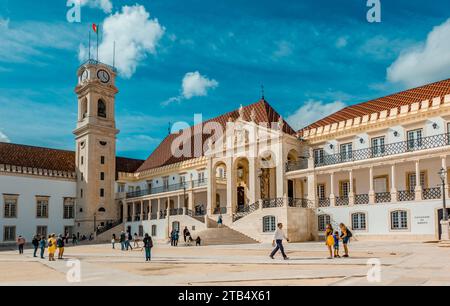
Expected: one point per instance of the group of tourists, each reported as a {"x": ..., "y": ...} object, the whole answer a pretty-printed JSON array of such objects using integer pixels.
[
  {"x": 332, "y": 240},
  {"x": 52, "y": 243}
]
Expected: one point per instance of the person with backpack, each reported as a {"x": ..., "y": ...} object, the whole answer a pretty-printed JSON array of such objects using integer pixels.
[
  {"x": 122, "y": 240},
  {"x": 60, "y": 244},
  {"x": 42, "y": 246},
  {"x": 35, "y": 243},
  {"x": 21, "y": 243},
  {"x": 148, "y": 245},
  {"x": 346, "y": 234}
]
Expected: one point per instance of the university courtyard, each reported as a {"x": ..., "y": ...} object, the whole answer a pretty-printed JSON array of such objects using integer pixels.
[{"x": 402, "y": 263}]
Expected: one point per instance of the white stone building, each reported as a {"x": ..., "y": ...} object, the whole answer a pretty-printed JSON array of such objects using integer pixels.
[{"x": 357, "y": 166}]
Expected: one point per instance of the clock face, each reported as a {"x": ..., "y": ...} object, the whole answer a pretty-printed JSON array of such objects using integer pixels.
[
  {"x": 84, "y": 75},
  {"x": 103, "y": 76}
]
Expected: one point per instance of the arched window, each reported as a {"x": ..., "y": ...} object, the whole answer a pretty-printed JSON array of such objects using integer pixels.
[
  {"x": 102, "y": 209},
  {"x": 359, "y": 221},
  {"x": 83, "y": 108},
  {"x": 323, "y": 221},
  {"x": 101, "y": 109},
  {"x": 269, "y": 224},
  {"x": 153, "y": 230},
  {"x": 141, "y": 231},
  {"x": 399, "y": 220}
]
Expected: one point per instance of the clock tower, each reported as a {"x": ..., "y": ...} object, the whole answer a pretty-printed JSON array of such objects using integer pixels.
[{"x": 95, "y": 140}]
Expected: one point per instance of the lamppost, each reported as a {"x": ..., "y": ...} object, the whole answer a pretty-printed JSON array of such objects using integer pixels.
[{"x": 444, "y": 222}]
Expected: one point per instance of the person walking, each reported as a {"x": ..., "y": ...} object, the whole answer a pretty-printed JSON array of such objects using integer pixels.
[
  {"x": 21, "y": 243},
  {"x": 60, "y": 243},
  {"x": 346, "y": 234},
  {"x": 35, "y": 243},
  {"x": 136, "y": 240},
  {"x": 113, "y": 241},
  {"x": 148, "y": 245},
  {"x": 74, "y": 240},
  {"x": 176, "y": 237},
  {"x": 172, "y": 237},
  {"x": 278, "y": 238},
  {"x": 51, "y": 247},
  {"x": 42, "y": 245},
  {"x": 129, "y": 239},
  {"x": 329, "y": 240},
  {"x": 185, "y": 233},
  {"x": 219, "y": 221},
  {"x": 122, "y": 240}
]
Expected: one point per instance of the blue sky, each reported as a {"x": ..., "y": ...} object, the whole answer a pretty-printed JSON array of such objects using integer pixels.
[{"x": 313, "y": 57}]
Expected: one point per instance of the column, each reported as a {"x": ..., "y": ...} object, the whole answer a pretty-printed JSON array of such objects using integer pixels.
[
  {"x": 332, "y": 196},
  {"x": 252, "y": 169},
  {"x": 142, "y": 211},
  {"x": 393, "y": 185},
  {"x": 211, "y": 192},
  {"x": 371, "y": 190},
  {"x": 133, "y": 211},
  {"x": 444, "y": 166},
  {"x": 351, "y": 194},
  {"x": 124, "y": 212},
  {"x": 418, "y": 189},
  {"x": 281, "y": 188},
  {"x": 311, "y": 159},
  {"x": 312, "y": 192},
  {"x": 159, "y": 209},
  {"x": 231, "y": 189}
]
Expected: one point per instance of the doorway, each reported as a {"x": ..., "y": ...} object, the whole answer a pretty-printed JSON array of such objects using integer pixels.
[
  {"x": 290, "y": 189},
  {"x": 240, "y": 198},
  {"x": 440, "y": 217}
]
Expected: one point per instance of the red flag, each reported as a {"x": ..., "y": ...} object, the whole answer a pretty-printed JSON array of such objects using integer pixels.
[{"x": 94, "y": 27}]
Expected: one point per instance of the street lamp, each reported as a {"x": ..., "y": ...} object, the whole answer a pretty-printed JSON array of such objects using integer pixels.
[{"x": 442, "y": 175}]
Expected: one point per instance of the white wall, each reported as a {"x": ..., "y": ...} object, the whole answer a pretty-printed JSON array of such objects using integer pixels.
[{"x": 28, "y": 188}]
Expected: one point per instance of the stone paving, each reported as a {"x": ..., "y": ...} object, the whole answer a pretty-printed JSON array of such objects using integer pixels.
[{"x": 402, "y": 263}]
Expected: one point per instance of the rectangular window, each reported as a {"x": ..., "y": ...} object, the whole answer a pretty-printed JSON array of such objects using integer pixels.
[
  {"x": 81, "y": 193},
  {"x": 166, "y": 182},
  {"x": 359, "y": 221},
  {"x": 121, "y": 188},
  {"x": 102, "y": 160},
  {"x": 10, "y": 210},
  {"x": 321, "y": 191},
  {"x": 82, "y": 160},
  {"x": 201, "y": 177},
  {"x": 381, "y": 184},
  {"x": 344, "y": 189},
  {"x": 399, "y": 220},
  {"x": 414, "y": 139},
  {"x": 68, "y": 230},
  {"x": 323, "y": 221},
  {"x": 378, "y": 147},
  {"x": 411, "y": 181},
  {"x": 9, "y": 233},
  {"x": 42, "y": 208},
  {"x": 41, "y": 230},
  {"x": 102, "y": 192},
  {"x": 346, "y": 151},
  {"x": 102, "y": 176},
  {"x": 318, "y": 156},
  {"x": 69, "y": 208},
  {"x": 269, "y": 224}
]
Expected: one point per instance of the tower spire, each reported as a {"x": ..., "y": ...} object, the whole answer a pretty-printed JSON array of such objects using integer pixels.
[{"x": 262, "y": 92}]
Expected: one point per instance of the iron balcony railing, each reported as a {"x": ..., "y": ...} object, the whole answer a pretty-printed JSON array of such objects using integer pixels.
[
  {"x": 342, "y": 201},
  {"x": 176, "y": 211},
  {"x": 273, "y": 203},
  {"x": 300, "y": 202},
  {"x": 406, "y": 195},
  {"x": 109, "y": 225},
  {"x": 220, "y": 210},
  {"x": 411, "y": 145},
  {"x": 361, "y": 199},
  {"x": 431, "y": 193},
  {"x": 95, "y": 62},
  {"x": 324, "y": 202},
  {"x": 382, "y": 197},
  {"x": 167, "y": 188}
]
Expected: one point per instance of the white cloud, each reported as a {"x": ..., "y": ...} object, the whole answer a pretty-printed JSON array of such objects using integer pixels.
[
  {"x": 312, "y": 111},
  {"x": 105, "y": 5},
  {"x": 27, "y": 40},
  {"x": 193, "y": 85},
  {"x": 341, "y": 42},
  {"x": 135, "y": 34},
  {"x": 284, "y": 49},
  {"x": 425, "y": 62},
  {"x": 4, "y": 138}
]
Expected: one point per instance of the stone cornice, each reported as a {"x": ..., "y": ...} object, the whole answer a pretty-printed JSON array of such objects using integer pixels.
[
  {"x": 33, "y": 172},
  {"x": 161, "y": 171},
  {"x": 383, "y": 119}
]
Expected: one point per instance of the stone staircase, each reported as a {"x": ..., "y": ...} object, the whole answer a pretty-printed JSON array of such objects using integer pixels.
[{"x": 223, "y": 236}]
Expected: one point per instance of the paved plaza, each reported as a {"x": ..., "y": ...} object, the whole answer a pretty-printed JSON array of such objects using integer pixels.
[{"x": 402, "y": 263}]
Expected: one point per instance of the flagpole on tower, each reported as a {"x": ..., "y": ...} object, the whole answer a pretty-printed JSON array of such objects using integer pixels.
[
  {"x": 114, "y": 55},
  {"x": 98, "y": 29},
  {"x": 89, "y": 45}
]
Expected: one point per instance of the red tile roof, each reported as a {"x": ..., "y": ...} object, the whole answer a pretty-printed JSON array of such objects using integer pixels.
[
  {"x": 52, "y": 159},
  {"x": 407, "y": 97},
  {"x": 162, "y": 155}
]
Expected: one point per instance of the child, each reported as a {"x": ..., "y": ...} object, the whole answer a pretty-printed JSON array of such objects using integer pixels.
[
  {"x": 198, "y": 241},
  {"x": 336, "y": 244}
]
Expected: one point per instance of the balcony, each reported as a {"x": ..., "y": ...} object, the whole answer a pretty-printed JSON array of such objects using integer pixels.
[
  {"x": 424, "y": 143},
  {"x": 168, "y": 188}
]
